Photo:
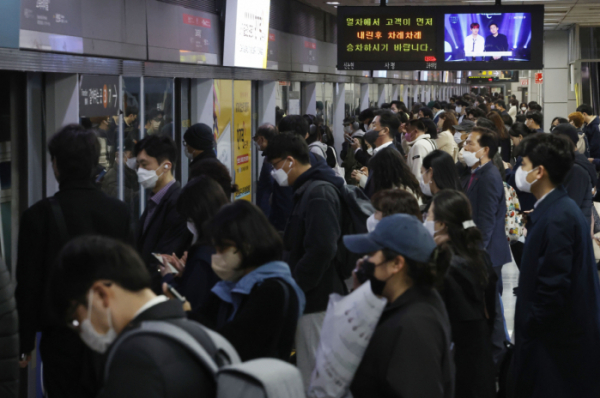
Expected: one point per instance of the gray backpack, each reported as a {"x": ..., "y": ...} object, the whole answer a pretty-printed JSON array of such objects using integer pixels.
[{"x": 259, "y": 378}]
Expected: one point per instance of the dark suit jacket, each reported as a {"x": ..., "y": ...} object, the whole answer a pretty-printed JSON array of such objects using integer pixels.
[
  {"x": 9, "y": 339},
  {"x": 167, "y": 233},
  {"x": 557, "y": 317},
  {"x": 363, "y": 157},
  {"x": 156, "y": 367},
  {"x": 86, "y": 210},
  {"x": 488, "y": 204}
]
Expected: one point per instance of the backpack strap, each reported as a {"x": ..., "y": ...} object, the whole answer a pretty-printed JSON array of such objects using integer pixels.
[
  {"x": 173, "y": 333},
  {"x": 57, "y": 213}
]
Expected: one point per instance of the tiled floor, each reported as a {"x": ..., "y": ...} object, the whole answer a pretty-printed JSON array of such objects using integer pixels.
[{"x": 510, "y": 279}]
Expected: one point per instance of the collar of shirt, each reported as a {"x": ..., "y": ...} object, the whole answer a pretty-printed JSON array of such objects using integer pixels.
[
  {"x": 380, "y": 147},
  {"x": 157, "y": 197},
  {"x": 483, "y": 165},
  {"x": 542, "y": 198},
  {"x": 155, "y": 301}
]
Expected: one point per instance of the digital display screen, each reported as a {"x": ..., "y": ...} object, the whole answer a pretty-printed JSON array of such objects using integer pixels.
[
  {"x": 392, "y": 40},
  {"x": 487, "y": 37},
  {"x": 486, "y": 76},
  {"x": 440, "y": 38}
]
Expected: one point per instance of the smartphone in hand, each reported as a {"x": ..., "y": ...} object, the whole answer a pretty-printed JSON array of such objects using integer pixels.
[{"x": 160, "y": 258}]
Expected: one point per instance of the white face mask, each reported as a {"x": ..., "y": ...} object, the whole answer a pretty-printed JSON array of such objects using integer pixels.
[
  {"x": 493, "y": 107},
  {"x": 521, "y": 179},
  {"x": 366, "y": 127},
  {"x": 148, "y": 178},
  {"x": 96, "y": 341},
  {"x": 458, "y": 137},
  {"x": 470, "y": 158},
  {"x": 372, "y": 223},
  {"x": 370, "y": 151},
  {"x": 523, "y": 109},
  {"x": 281, "y": 177},
  {"x": 425, "y": 187},
  {"x": 131, "y": 163},
  {"x": 192, "y": 228},
  {"x": 458, "y": 109},
  {"x": 348, "y": 129},
  {"x": 188, "y": 154},
  {"x": 430, "y": 227},
  {"x": 227, "y": 265},
  {"x": 484, "y": 102}
]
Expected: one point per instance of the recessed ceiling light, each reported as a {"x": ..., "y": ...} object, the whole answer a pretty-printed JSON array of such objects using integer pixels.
[{"x": 333, "y": 2}]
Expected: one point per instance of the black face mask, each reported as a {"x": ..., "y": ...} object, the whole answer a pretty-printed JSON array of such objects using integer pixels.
[
  {"x": 367, "y": 272},
  {"x": 371, "y": 136}
]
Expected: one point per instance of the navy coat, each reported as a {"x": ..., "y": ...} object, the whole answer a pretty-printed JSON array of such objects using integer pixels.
[
  {"x": 486, "y": 194},
  {"x": 557, "y": 318}
]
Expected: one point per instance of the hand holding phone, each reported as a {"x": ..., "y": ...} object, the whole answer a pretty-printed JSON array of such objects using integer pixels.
[{"x": 164, "y": 263}]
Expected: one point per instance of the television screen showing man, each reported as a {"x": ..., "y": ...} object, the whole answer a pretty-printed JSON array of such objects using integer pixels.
[
  {"x": 474, "y": 44},
  {"x": 495, "y": 42}
]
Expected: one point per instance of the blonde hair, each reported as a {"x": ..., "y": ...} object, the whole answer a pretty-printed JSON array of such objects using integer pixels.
[{"x": 577, "y": 119}]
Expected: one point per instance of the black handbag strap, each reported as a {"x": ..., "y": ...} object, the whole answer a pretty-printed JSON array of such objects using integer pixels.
[{"x": 60, "y": 220}]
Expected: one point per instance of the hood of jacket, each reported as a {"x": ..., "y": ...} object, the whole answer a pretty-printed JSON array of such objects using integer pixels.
[
  {"x": 320, "y": 171},
  {"x": 233, "y": 292}
]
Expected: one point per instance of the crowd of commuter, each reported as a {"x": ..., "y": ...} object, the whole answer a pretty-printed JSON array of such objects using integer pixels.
[{"x": 448, "y": 194}]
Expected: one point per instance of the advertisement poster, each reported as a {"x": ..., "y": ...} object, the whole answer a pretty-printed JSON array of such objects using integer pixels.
[
  {"x": 222, "y": 93},
  {"x": 247, "y": 27},
  {"x": 98, "y": 95},
  {"x": 242, "y": 147}
]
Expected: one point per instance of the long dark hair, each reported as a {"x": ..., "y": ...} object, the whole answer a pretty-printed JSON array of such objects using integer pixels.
[
  {"x": 426, "y": 274},
  {"x": 200, "y": 200},
  {"x": 445, "y": 174},
  {"x": 453, "y": 208},
  {"x": 390, "y": 170}
]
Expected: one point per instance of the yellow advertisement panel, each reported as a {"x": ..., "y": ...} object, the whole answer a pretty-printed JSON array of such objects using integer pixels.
[
  {"x": 242, "y": 137},
  {"x": 222, "y": 106}
]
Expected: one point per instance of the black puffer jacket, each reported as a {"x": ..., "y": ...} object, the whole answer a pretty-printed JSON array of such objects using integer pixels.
[
  {"x": 9, "y": 337},
  {"x": 312, "y": 235}
]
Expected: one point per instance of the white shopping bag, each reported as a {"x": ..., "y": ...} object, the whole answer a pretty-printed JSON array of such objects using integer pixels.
[{"x": 347, "y": 329}]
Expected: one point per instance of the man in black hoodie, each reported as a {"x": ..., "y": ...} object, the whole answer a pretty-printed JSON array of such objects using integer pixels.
[
  {"x": 199, "y": 143},
  {"x": 581, "y": 179},
  {"x": 311, "y": 237}
]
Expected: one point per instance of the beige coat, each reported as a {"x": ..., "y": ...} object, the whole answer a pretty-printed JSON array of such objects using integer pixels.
[{"x": 446, "y": 143}]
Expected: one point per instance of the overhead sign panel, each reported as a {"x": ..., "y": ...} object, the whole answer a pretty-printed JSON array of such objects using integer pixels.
[
  {"x": 247, "y": 33},
  {"x": 442, "y": 38}
]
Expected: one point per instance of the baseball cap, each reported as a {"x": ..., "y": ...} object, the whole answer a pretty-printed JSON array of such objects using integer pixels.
[
  {"x": 466, "y": 125},
  {"x": 401, "y": 233}
]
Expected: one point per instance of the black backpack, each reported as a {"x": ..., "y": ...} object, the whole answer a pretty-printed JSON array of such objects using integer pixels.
[{"x": 356, "y": 208}]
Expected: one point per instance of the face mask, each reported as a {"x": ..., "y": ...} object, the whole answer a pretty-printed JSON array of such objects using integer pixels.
[
  {"x": 470, "y": 158},
  {"x": 188, "y": 154},
  {"x": 367, "y": 272},
  {"x": 370, "y": 151},
  {"x": 348, "y": 129},
  {"x": 493, "y": 107},
  {"x": 131, "y": 163},
  {"x": 459, "y": 109},
  {"x": 192, "y": 228},
  {"x": 96, "y": 341},
  {"x": 155, "y": 125},
  {"x": 521, "y": 179},
  {"x": 372, "y": 223},
  {"x": 430, "y": 227},
  {"x": 371, "y": 136},
  {"x": 458, "y": 137},
  {"x": 281, "y": 177},
  {"x": 366, "y": 126},
  {"x": 227, "y": 265},
  {"x": 425, "y": 188},
  {"x": 523, "y": 109},
  {"x": 148, "y": 178},
  {"x": 484, "y": 102}
]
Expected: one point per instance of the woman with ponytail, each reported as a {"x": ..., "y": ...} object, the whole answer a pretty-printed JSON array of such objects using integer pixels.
[
  {"x": 469, "y": 293},
  {"x": 409, "y": 353}
]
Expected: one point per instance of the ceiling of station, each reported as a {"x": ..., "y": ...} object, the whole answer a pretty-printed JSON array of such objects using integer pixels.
[{"x": 559, "y": 14}]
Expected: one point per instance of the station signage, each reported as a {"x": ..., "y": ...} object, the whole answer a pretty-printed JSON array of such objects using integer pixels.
[{"x": 98, "y": 95}]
